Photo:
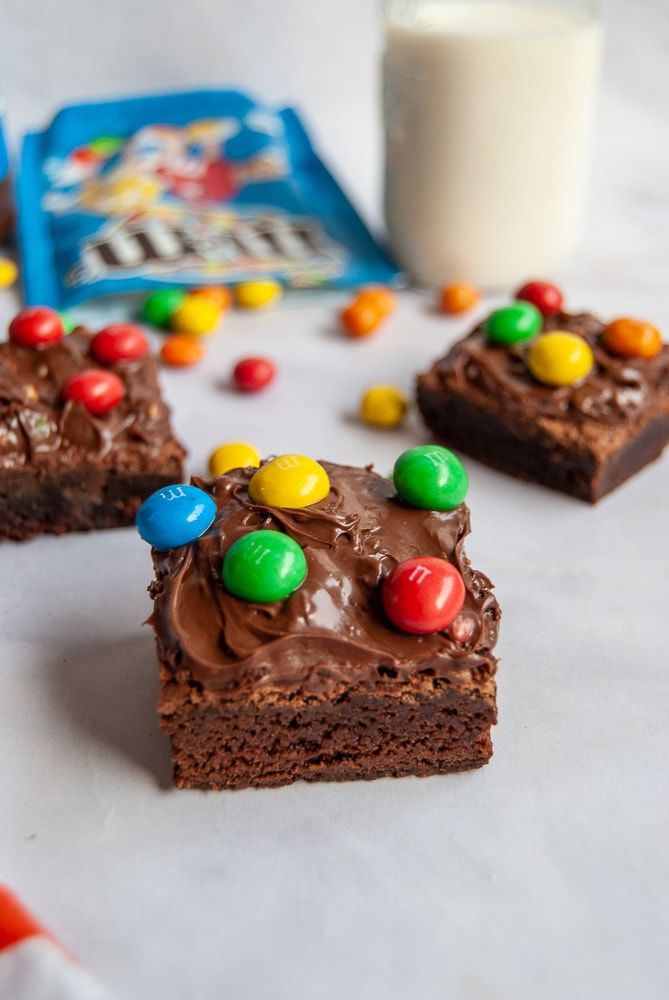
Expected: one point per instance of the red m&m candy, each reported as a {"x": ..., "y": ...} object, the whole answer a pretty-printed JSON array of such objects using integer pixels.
[
  {"x": 36, "y": 326},
  {"x": 423, "y": 595},
  {"x": 253, "y": 374},
  {"x": 119, "y": 342},
  {"x": 546, "y": 297},
  {"x": 99, "y": 391}
]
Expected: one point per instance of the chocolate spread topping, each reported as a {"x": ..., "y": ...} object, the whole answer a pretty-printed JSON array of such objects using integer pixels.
[
  {"x": 333, "y": 629},
  {"x": 38, "y": 428},
  {"x": 616, "y": 389}
]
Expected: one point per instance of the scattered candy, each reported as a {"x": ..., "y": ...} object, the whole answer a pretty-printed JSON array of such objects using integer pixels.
[
  {"x": 233, "y": 455},
  {"x": 430, "y": 477},
  {"x": 289, "y": 481},
  {"x": 384, "y": 406},
  {"x": 361, "y": 317},
  {"x": 253, "y": 374},
  {"x": 257, "y": 294},
  {"x": 181, "y": 350},
  {"x": 458, "y": 297},
  {"x": 9, "y": 272},
  {"x": 175, "y": 515},
  {"x": 159, "y": 306},
  {"x": 98, "y": 390},
  {"x": 381, "y": 297},
  {"x": 632, "y": 338},
  {"x": 219, "y": 295},
  {"x": 69, "y": 324},
  {"x": 513, "y": 323},
  {"x": 423, "y": 595},
  {"x": 119, "y": 342},
  {"x": 36, "y": 326},
  {"x": 546, "y": 297},
  {"x": 264, "y": 566},
  {"x": 196, "y": 315},
  {"x": 560, "y": 358}
]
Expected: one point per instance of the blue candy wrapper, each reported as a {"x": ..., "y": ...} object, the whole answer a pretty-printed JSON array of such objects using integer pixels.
[{"x": 183, "y": 189}]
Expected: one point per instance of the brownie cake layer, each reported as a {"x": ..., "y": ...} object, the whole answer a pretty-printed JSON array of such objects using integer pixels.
[
  {"x": 321, "y": 685},
  {"x": 583, "y": 439},
  {"x": 63, "y": 469}
]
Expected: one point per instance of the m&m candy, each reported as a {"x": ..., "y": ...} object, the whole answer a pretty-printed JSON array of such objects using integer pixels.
[
  {"x": 195, "y": 315},
  {"x": 546, "y": 297},
  {"x": 632, "y": 338},
  {"x": 175, "y": 515},
  {"x": 384, "y": 406},
  {"x": 560, "y": 358},
  {"x": 430, "y": 477},
  {"x": 423, "y": 595},
  {"x": 218, "y": 295},
  {"x": 98, "y": 390},
  {"x": 264, "y": 566},
  {"x": 360, "y": 318},
  {"x": 36, "y": 326},
  {"x": 9, "y": 272},
  {"x": 233, "y": 455},
  {"x": 119, "y": 342},
  {"x": 382, "y": 298},
  {"x": 513, "y": 323},
  {"x": 458, "y": 297},
  {"x": 257, "y": 294},
  {"x": 253, "y": 374},
  {"x": 289, "y": 481},
  {"x": 160, "y": 305},
  {"x": 181, "y": 350}
]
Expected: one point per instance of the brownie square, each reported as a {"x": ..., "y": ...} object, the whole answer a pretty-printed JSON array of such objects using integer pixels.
[
  {"x": 321, "y": 685},
  {"x": 62, "y": 468},
  {"x": 583, "y": 439}
]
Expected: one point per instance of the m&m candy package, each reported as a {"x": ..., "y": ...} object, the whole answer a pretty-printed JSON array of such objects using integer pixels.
[{"x": 183, "y": 189}]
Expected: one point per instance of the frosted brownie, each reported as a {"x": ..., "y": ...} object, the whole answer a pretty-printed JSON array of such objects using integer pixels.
[
  {"x": 62, "y": 467},
  {"x": 321, "y": 685},
  {"x": 584, "y": 436}
]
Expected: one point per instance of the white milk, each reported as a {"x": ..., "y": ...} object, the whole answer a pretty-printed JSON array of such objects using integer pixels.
[{"x": 488, "y": 110}]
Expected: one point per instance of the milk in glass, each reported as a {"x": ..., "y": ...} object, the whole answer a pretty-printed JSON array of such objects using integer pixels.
[{"x": 488, "y": 109}]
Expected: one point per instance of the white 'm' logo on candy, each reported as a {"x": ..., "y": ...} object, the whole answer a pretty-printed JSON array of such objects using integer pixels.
[
  {"x": 419, "y": 573},
  {"x": 173, "y": 493},
  {"x": 258, "y": 552},
  {"x": 288, "y": 462}
]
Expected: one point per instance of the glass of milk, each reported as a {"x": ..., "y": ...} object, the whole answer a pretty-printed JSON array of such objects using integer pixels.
[{"x": 488, "y": 107}]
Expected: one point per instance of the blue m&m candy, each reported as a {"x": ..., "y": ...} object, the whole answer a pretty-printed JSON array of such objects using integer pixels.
[
  {"x": 430, "y": 477},
  {"x": 175, "y": 515},
  {"x": 264, "y": 566}
]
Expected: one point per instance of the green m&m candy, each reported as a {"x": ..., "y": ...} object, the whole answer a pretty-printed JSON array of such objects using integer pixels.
[
  {"x": 159, "y": 306},
  {"x": 513, "y": 323},
  {"x": 430, "y": 477},
  {"x": 264, "y": 566}
]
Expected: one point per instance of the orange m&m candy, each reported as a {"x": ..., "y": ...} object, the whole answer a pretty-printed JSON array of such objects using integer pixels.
[
  {"x": 360, "y": 318},
  {"x": 181, "y": 350},
  {"x": 380, "y": 297},
  {"x": 218, "y": 295},
  {"x": 632, "y": 338},
  {"x": 458, "y": 298}
]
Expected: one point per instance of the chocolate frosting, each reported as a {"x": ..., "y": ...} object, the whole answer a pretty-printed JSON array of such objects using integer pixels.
[
  {"x": 38, "y": 428},
  {"x": 333, "y": 630},
  {"x": 616, "y": 390}
]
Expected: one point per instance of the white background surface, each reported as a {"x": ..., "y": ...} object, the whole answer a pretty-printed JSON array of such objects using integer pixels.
[{"x": 544, "y": 875}]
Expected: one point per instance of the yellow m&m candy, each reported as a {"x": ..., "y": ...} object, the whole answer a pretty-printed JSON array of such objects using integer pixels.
[
  {"x": 256, "y": 294},
  {"x": 560, "y": 358},
  {"x": 289, "y": 481},
  {"x": 196, "y": 315},
  {"x": 233, "y": 455},
  {"x": 384, "y": 406}
]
